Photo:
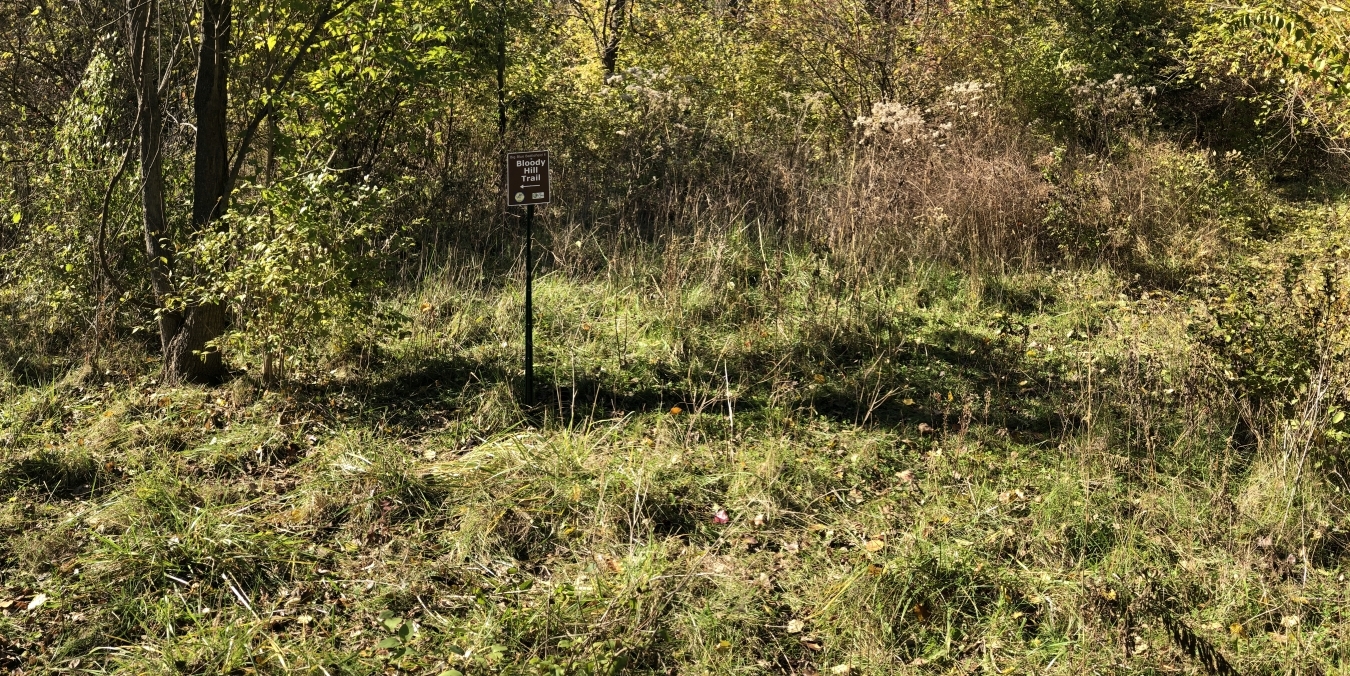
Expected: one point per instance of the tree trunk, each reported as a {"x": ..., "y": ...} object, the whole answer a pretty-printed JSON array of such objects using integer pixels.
[
  {"x": 158, "y": 240},
  {"x": 501, "y": 71},
  {"x": 189, "y": 356},
  {"x": 613, "y": 33}
]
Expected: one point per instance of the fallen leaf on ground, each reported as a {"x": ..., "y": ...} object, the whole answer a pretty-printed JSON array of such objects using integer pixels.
[{"x": 37, "y": 602}]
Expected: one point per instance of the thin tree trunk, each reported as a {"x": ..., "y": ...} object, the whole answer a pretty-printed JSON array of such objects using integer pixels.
[
  {"x": 189, "y": 356},
  {"x": 501, "y": 71},
  {"x": 614, "y": 25},
  {"x": 158, "y": 240}
]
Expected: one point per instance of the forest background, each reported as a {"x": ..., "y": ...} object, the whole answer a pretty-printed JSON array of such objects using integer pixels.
[{"x": 874, "y": 336}]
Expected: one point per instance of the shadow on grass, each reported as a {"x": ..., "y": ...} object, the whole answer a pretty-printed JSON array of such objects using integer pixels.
[{"x": 952, "y": 378}]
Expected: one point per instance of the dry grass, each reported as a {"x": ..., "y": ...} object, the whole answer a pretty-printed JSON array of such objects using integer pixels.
[{"x": 930, "y": 472}]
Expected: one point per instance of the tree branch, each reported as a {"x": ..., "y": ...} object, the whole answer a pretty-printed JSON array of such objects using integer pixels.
[
  {"x": 251, "y": 130},
  {"x": 107, "y": 200}
]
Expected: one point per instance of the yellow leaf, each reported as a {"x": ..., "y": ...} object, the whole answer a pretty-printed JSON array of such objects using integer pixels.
[{"x": 874, "y": 545}]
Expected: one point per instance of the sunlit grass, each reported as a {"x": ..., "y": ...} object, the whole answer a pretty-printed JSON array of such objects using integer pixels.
[{"x": 930, "y": 473}]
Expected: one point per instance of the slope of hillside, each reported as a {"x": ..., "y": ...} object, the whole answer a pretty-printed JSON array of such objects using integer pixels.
[{"x": 765, "y": 467}]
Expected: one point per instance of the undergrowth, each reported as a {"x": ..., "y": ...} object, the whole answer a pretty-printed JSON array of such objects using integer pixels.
[{"x": 739, "y": 463}]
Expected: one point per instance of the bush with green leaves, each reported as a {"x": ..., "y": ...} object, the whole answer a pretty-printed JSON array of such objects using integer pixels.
[{"x": 300, "y": 269}]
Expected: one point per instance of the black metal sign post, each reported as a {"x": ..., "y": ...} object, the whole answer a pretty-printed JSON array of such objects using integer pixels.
[
  {"x": 529, "y": 305},
  {"x": 527, "y": 184}
]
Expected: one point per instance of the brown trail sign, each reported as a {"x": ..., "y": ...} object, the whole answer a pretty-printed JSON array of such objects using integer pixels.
[
  {"x": 527, "y": 184},
  {"x": 527, "y": 178}
]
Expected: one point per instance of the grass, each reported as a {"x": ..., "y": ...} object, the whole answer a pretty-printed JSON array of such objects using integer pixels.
[{"x": 925, "y": 472}]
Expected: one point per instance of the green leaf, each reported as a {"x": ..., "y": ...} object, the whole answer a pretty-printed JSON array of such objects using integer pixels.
[
  {"x": 390, "y": 642},
  {"x": 1335, "y": 419}
]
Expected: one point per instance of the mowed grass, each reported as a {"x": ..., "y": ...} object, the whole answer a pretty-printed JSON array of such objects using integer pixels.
[{"x": 927, "y": 472}]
